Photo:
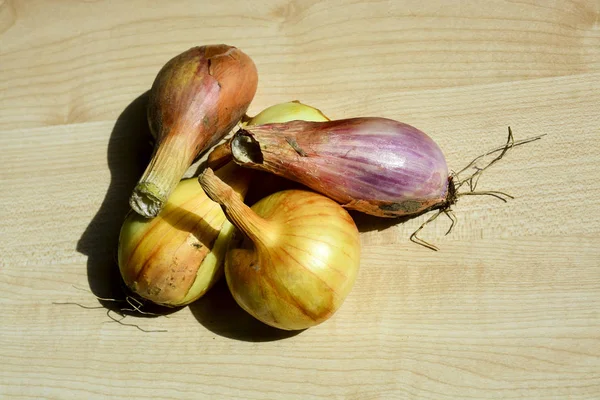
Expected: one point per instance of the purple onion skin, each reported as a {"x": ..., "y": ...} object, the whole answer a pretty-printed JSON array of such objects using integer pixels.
[{"x": 374, "y": 165}]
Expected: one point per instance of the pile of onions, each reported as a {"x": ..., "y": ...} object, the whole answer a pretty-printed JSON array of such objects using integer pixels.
[
  {"x": 291, "y": 258},
  {"x": 174, "y": 258}
]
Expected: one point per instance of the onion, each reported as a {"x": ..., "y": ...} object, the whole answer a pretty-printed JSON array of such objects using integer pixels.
[
  {"x": 196, "y": 99},
  {"x": 374, "y": 165},
  {"x": 175, "y": 258},
  {"x": 300, "y": 258}
]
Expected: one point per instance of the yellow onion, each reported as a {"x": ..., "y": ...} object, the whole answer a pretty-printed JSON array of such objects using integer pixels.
[
  {"x": 196, "y": 99},
  {"x": 174, "y": 258},
  {"x": 289, "y": 111},
  {"x": 300, "y": 257}
]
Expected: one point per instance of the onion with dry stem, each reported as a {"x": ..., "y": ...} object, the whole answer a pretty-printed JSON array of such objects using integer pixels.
[
  {"x": 377, "y": 166},
  {"x": 300, "y": 257},
  {"x": 374, "y": 165},
  {"x": 196, "y": 99}
]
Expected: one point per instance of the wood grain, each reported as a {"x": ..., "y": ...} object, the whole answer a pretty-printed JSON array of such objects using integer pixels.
[
  {"x": 89, "y": 68},
  {"x": 507, "y": 309}
]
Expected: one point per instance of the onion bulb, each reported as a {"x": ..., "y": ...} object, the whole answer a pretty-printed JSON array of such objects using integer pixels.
[
  {"x": 196, "y": 99},
  {"x": 175, "y": 258},
  {"x": 374, "y": 165},
  {"x": 300, "y": 257}
]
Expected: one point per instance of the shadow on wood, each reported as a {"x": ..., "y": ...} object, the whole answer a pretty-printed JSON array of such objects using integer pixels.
[
  {"x": 128, "y": 153},
  {"x": 367, "y": 223},
  {"x": 219, "y": 313}
]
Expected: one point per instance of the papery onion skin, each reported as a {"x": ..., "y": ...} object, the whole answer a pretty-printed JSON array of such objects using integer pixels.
[
  {"x": 299, "y": 262},
  {"x": 312, "y": 271},
  {"x": 196, "y": 99},
  {"x": 175, "y": 258},
  {"x": 377, "y": 166}
]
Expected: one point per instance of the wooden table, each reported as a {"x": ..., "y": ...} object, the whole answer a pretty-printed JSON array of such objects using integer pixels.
[{"x": 509, "y": 308}]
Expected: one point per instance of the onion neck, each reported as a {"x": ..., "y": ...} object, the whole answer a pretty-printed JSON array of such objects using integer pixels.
[
  {"x": 269, "y": 146},
  {"x": 238, "y": 178},
  {"x": 258, "y": 229},
  {"x": 169, "y": 162}
]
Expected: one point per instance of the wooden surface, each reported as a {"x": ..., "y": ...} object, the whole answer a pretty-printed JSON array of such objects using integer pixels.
[{"x": 508, "y": 309}]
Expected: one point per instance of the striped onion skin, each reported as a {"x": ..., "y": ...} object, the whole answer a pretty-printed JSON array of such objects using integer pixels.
[
  {"x": 176, "y": 257},
  {"x": 196, "y": 99},
  {"x": 375, "y": 165},
  {"x": 299, "y": 259}
]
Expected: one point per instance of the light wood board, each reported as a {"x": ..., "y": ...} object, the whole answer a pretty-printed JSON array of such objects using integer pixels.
[{"x": 509, "y": 308}]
